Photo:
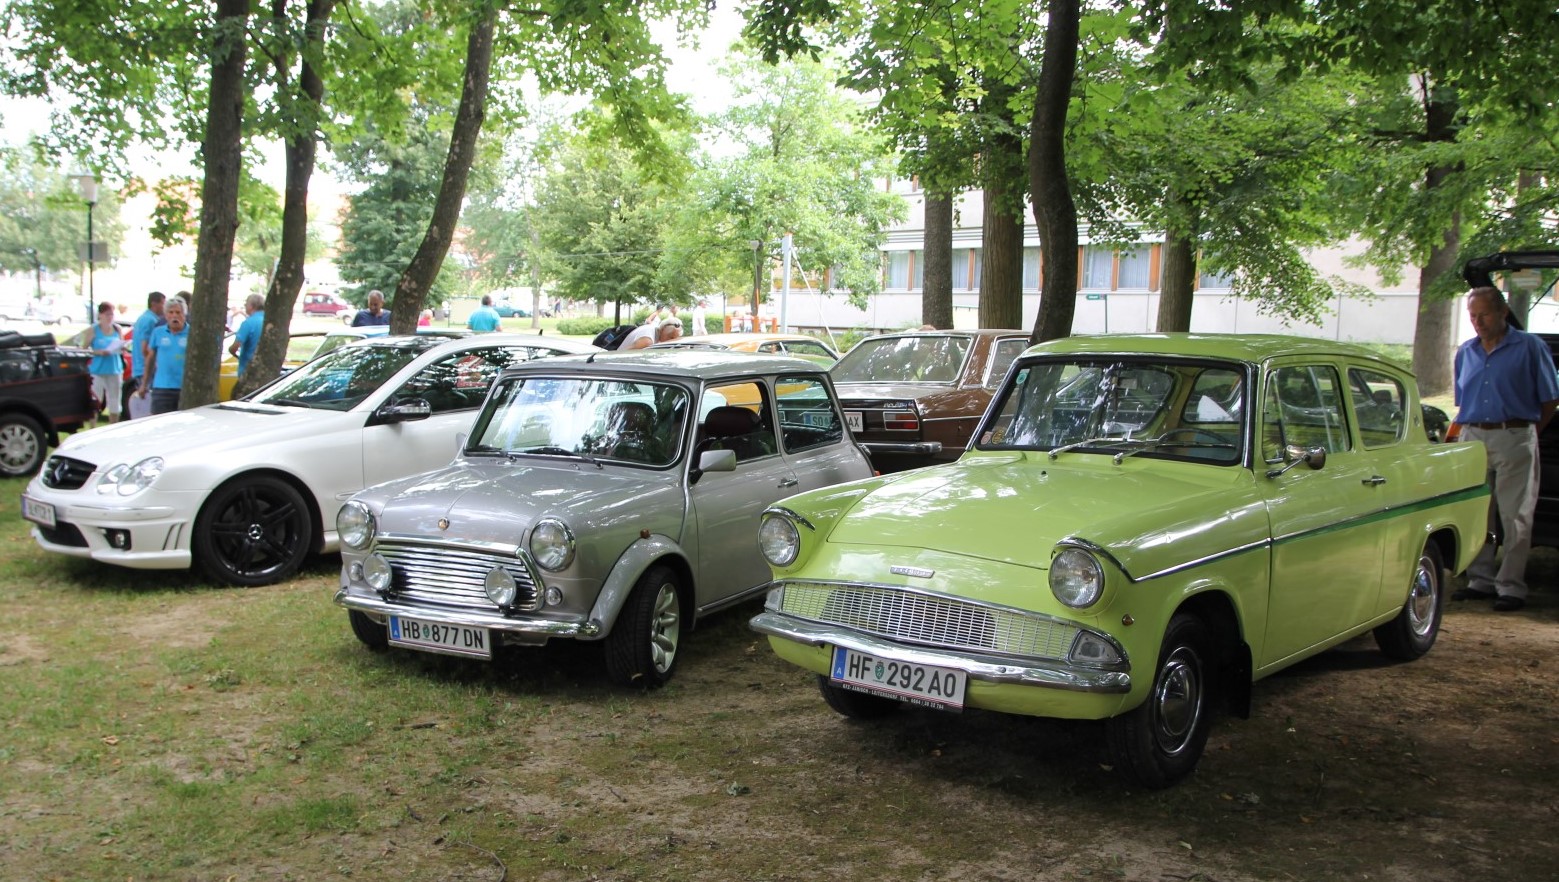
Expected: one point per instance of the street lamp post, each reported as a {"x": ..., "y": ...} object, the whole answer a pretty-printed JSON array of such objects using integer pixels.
[{"x": 86, "y": 185}]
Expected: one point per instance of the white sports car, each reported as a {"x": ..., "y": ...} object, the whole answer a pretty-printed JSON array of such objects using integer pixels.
[{"x": 246, "y": 489}]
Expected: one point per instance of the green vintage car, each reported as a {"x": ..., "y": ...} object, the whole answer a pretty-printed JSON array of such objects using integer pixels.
[{"x": 1143, "y": 526}]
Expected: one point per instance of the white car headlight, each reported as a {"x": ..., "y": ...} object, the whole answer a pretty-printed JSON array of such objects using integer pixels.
[
  {"x": 377, "y": 572},
  {"x": 1076, "y": 579},
  {"x": 355, "y": 525},
  {"x": 128, "y": 480},
  {"x": 552, "y": 545},
  {"x": 500, "y": 586},
  {"x": 779, "y": 540}
]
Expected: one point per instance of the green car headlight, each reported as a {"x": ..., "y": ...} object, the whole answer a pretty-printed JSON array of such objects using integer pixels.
[
  {"x": 355, "y": 525},
  {"x": 1076, "y": 578},
  {"x": 552, "y": 545},
  {"x": 779, "y": 540}
]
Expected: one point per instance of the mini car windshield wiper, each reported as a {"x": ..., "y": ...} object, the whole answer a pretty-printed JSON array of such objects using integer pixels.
[
  {"x": 553, "y": 450},
  {"x": 1094, "y": 442},
  {"x": 488, "y": 450}
]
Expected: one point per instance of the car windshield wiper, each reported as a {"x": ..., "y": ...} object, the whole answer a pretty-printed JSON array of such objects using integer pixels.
[
  {"x": 1092, "y": 442},
  {"x": 554, "y": 450},
  {"x": 286, "y": 402},
  {"x": 1181, "y": 437}
]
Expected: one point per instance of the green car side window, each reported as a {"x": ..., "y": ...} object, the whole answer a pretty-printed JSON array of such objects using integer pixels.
[{"x": 1303, "y": 406}]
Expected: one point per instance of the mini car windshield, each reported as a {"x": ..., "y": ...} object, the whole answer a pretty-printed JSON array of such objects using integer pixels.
[
  {"x": 341, "y": 379},
  {"x": 913, "y": 359},
  {"x": 1156, "y": 408},
  {"x": 593, "y": 418}
]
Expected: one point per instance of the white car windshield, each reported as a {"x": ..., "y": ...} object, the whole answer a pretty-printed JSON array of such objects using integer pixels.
[
  {"x": 341, "y": 379},
  {"x": 588, "y": 417},
  {"x": 1167, "y": 409},
  {"x": 915, "y": 359}
]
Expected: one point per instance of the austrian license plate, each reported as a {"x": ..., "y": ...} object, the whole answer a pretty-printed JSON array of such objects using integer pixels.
[
  {"x": 928, "y": 686},
  {"x": 434, "y": 637},
  {"x": 852, "y": 418},
  {"x": 38, "y": 512}
]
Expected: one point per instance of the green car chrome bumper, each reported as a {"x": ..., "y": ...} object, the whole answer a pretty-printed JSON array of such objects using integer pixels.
[{"x": 991, "y": 669}]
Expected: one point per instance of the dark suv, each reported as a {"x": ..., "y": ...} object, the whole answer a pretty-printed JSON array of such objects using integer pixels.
[{"x": 44, "y": 390}]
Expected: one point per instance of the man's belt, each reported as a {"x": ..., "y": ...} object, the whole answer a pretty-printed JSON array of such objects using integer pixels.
[{"x": 1507, "y": 424}]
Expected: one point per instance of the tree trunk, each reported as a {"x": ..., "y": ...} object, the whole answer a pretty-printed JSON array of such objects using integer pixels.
[
  {"x": 1175, "y": 298},
  {"x": 287, "y": 281},
  {"x": 1432, "y": 334},
  {"x": 417, "y": 279},
  {"x": 1001, "y": 263},
  {"x": 1055, "y": 213},
  {"x": 223, "y": 154},
  {"x": 936, "y": 298}
]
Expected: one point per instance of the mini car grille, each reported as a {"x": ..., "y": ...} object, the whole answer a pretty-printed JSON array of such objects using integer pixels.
[
  {"x": 930, "y": 620},
  {"x": 448, "y": 576},
  {"x": 64, "y": 473}
]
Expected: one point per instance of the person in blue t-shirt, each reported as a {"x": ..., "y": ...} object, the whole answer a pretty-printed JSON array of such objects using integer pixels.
[
  {"x": 165, "y": 359},
  {"x": 374, "y": 314},
  {"x": 140, "y": 335},
  {"x": 247, "y": 339},
  {"x": 485, "y": 319},
  {"x": 107, "y": 365}
]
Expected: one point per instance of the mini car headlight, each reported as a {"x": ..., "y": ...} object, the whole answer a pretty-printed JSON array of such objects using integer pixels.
[
  {"x": 128, "y": 480},
  {"x": 376, "y": 572},
  {"x": 355, "y": 525},
  {"x": 779, "y": 539},
  {"x": 500, "y": 586},
  {"x": 1076, "y": 579},
  {"x": 552, "y": 544}
]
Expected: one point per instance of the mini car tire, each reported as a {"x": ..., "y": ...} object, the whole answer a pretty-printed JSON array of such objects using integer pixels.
[
  {"x": 22, "y": 445},
  {"x": 369, "y": 632},
  {"x": 641, "y": 650},
  {"x": 1412, "y": 633},
  {"x": 1161, "y": 740},
  {"x": 855, "y": 705},
  {"x": 253, "y": 531}
]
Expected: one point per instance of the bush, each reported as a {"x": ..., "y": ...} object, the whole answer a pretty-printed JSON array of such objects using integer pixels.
[{"x": 584, "y": 326}]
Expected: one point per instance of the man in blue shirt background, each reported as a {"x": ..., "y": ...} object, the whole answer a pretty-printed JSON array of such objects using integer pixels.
[
  {"x": 247, "y": 339},
  {"x": 140, "y": 334},
  {"x": 374, "y": 313},
  {"x": 485, "y": 319},
  {"x": 1505, "y": 394}
]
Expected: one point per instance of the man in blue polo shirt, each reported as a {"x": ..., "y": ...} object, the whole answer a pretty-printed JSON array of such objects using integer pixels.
[
  {"x": 1505, "y": 394},
  {"x": 165, "y": 360},
  {"x": 485, "y": 319},
  {"x": 140, "y": 335},
  {"x": 374, "y": 313},
  {"x": 247, "y": 339}
]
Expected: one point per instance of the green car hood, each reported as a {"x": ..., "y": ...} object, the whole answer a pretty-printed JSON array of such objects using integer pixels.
[{"x": 1149, "y": 515}]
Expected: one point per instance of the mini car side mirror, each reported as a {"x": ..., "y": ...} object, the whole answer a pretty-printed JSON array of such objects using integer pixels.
[
  {"x": 405, "y": 411},
  {"x": 712, "y": 461},
  {"x": 1293, "y": 454}
]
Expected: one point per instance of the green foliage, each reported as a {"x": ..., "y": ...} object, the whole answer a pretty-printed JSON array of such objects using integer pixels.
[
  {"x": 44, "y": 219},
  {"x": 585, "y": 326}
]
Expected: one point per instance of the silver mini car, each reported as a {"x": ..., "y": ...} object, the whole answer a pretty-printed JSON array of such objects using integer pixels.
[{"x": 613, "y": 497}]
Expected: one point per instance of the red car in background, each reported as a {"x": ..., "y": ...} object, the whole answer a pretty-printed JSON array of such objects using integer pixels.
[{"x": 316, "y": 303}]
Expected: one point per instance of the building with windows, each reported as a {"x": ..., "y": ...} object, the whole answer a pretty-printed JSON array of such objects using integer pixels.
[{"x": 1118, "y": 289}]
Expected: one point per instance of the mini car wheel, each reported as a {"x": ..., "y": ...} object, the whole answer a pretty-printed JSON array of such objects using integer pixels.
[
  {"x": 22, "y": 445},
  {"x": 642, "y": 648},
  {"x": 253, "y": 531},
  {"x": 855, "y": 705},
  {"x": 1415, "y": 628},
  {"x": 372, "y": 634},
  {"x": 1160, "y": 741}
]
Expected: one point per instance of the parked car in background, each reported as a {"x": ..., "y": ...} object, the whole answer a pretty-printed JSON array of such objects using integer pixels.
[
  {"x": 913, "y": 399},
  {"x": 505, "y": 309},
  {"x": 246, "y": 489},
  {"x": 315, "y": 303},
  {"x": 45, "y": 389},
  {"x": 1144, "y": 526},
  {"x": 611, "y": 498},
  {"x": 798, "y": 345}
]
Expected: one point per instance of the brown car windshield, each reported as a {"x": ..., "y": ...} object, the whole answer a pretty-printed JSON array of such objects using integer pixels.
[
  {"x": 931, "y": 358},
  {"x": 1166, "y": 409}
]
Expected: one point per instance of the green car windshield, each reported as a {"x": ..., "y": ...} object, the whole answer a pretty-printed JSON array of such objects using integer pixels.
[
  {"x": 592, "y": 418},
  {"x": 1158, "y": 408}
]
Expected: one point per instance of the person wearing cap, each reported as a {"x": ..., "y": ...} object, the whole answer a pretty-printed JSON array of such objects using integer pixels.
[
  {"x": 1505, "y": 394},
  {"x": 668, "y": 328}
]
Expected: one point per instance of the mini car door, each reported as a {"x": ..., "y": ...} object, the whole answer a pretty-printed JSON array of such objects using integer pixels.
[
  {"x": 812, "y": 434},
  {"x": 1326, "y": 540},
  {"x": 726, "y": 505}
]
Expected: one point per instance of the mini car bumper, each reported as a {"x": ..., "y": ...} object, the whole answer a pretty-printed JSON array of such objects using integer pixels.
[
  {"x": 986, "y": 669},
  {"x": 519, "y": 630}
]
